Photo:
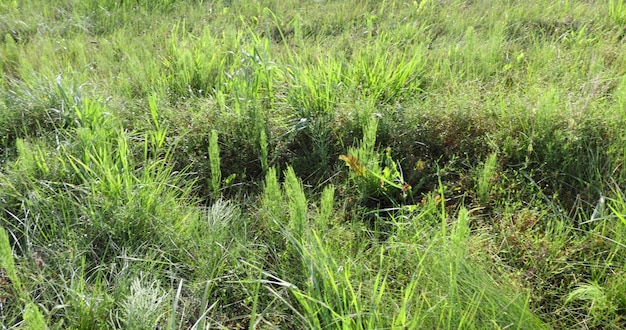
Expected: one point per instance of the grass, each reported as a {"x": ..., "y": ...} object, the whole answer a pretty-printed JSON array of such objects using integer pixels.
[{"x": 348, "y": 164}]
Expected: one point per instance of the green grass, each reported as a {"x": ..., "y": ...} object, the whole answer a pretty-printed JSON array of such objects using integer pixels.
[{"x": 182, "y": 164}]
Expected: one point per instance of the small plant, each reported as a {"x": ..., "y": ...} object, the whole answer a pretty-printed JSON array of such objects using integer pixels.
[
  {"x": 617, "y": 11},
  {"x": 272, "y": 196},
  {"x": 155, "y": 139},
  {"x": 263, "y": 144},
  {"x": 143, "y": 307},
  {"x": 485, "y": 177},
  {"x": 8, "y": 264},
  {"x": 297, "y": 204},
  {"x": 214, "y": 157},
  {"x": 388, "y": 176},
  {"x": 373, "y": 176},
  {"x": 386, "y": 76},
  {"x": 33, "y": 318}
]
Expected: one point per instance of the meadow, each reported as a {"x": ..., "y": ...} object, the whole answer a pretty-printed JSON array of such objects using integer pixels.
[{"x": 299, "y": 164}]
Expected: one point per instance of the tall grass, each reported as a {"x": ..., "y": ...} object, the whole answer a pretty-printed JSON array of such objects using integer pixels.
[
  {"x": 168, "y": 164},
  {"x": 446, "y": 289}
]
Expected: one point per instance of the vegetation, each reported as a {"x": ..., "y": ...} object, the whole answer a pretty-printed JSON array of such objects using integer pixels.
[{"x": 349, "y": 164}]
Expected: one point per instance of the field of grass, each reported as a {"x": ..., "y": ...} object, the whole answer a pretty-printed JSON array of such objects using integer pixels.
[{"x": 298, "y": 164}]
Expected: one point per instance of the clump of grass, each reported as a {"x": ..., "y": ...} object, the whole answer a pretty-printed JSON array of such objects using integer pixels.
[
  {"x": 617, "y": 11},
  {"x": 328, "y": 296},
  {"x": 385, "y": 76}
]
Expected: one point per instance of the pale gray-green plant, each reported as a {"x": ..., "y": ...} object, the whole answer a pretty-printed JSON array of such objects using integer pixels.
[{"x": 143, "y": 307}]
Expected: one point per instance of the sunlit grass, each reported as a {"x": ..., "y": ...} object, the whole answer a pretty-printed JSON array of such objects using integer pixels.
[{"x": 181, "y": 164}]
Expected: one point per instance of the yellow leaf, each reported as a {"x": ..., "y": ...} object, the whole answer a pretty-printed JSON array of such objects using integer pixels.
[{"x": 354, "y": 164}]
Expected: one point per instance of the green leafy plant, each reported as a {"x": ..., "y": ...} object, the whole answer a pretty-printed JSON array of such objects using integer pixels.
[
  {"x": 485, "y": 177},
  {"x": 8, "y": 264},
  {"x": 32, "y": 316},
  {"x": 214, "y": 157},
  {"x": 372, "y": 175}
]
